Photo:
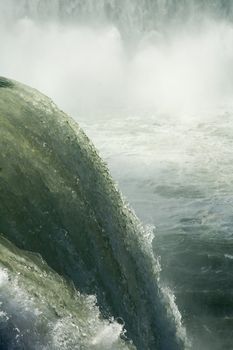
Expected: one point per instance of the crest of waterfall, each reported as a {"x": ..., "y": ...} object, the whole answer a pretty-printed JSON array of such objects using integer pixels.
[{"x": 131, "y": 16}]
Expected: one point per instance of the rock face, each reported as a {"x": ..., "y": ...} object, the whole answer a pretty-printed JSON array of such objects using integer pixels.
[{"x": 57, "y": 199}]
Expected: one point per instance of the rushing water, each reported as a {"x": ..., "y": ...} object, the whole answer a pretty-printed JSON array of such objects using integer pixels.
[
  {"x": 151, "y": 83},
  {"x": 39, "y": 310},
  {"x": 179, "y": 178}
]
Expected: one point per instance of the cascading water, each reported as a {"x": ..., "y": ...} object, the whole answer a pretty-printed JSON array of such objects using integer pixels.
[
  {"x": 39, "y": 310},
  {"x": 151, "y": 83},
  {"x": 143, "y": 15}
]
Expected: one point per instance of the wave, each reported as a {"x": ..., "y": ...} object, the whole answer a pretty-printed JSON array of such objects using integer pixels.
[
  {"x": 58, "y": 199},
  {"x": 40, "y": 310}
]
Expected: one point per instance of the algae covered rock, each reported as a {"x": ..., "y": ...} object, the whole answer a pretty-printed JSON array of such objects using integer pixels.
[{"x": 58, "y": 199}]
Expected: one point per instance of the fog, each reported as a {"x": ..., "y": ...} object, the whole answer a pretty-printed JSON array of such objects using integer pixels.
[{"x": 94, "y": 70}]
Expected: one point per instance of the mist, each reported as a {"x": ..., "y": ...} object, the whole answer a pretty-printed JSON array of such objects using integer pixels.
[{"x": 95, "y": 71}]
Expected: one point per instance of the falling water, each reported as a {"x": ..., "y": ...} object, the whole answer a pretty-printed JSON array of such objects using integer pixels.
[{"x": 151, "y": 83}]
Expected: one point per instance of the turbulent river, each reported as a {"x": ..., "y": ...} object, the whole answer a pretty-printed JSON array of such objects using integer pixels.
[{"x": 151, "y": 84}]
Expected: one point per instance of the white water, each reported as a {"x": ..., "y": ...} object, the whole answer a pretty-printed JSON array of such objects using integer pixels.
[{"x": 38, "y": 310}]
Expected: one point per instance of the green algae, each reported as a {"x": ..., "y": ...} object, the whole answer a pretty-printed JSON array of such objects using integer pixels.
[{"x": 57, "y": 198}]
